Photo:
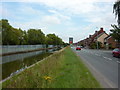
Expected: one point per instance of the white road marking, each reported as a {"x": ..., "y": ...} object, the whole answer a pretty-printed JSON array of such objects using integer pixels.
[
  {"x": 118, "y": 61},
  {"x": 107, "y": 58},
  {"x": 97, "y": 54},
  {"x": 99, "y": 76}
]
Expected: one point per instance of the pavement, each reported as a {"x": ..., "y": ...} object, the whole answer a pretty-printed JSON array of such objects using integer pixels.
[{"x": 102, "y": 65}]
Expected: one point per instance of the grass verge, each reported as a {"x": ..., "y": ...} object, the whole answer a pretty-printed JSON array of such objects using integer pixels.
[{"x": 62, "y": 70}]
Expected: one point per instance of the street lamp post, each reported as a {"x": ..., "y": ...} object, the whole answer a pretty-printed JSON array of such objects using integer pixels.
[{"x": 97, "y": 38}]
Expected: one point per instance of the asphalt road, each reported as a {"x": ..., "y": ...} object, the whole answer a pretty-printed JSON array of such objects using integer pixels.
[{"x": 102, "y": 65}]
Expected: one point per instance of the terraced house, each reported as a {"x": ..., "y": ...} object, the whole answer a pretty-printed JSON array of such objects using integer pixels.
[
  {"x": 110, "y": 42},
  {"x": 100, "y": 36},
  {"x": 97, "y": 36}
]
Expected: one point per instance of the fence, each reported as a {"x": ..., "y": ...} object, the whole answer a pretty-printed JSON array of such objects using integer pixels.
[
  {"x": 11, "y": 51},
  {"x": 17, "y": 48},
  {"x": 21, "y": 48}
]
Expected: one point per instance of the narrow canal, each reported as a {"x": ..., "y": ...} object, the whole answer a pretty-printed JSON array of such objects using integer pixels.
[{"x": 13, "y": 64}]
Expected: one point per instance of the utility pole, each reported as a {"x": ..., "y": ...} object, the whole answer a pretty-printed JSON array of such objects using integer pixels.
[{"x": 97, "y": 38}]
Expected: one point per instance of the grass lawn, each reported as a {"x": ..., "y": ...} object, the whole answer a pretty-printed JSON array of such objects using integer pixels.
[{"x": 61, "y": 70}]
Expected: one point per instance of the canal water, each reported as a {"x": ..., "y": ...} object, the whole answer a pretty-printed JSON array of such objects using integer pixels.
[{"x": 13, "y": 64}]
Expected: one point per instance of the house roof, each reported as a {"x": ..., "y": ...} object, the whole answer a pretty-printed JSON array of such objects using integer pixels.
[
  {"x": 108, "y": 37},
  {"x": 92, "y": 37},
  {"x": 98, "y": 33}
]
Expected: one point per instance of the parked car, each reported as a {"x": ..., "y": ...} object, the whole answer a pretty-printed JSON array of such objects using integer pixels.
[
  {"x": 78, "y": 48},
  {"x": 116, "y": 52}
]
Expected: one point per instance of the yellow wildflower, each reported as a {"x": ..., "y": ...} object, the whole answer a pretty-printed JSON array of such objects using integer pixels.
[{"x": 47, "y": 78}]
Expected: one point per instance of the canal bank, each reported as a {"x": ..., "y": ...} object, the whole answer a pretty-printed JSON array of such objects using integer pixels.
[
  {"x": 14, "y": 63},
  {"x": 29, "y": 62},
  {"x": 11, "y": 68},
  {"x": 63, "y": 69},
  {"x": 14, "y": 52}
]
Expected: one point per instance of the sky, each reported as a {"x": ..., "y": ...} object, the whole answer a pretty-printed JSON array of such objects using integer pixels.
[{"x": 65, "y": 18}]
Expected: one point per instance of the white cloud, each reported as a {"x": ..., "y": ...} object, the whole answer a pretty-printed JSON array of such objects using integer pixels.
[
  {"x": 58, "y": 14},
  {"x": 35, "y": 24},
  {"x": 62, "y": 13},
  {"x": 4, "y": 12},
  {"x": 57, "y": 1},
  {"x": 67, "y": 6},
  {"x": 29, "y": 10},
  {"x": 51, "y": 20}
]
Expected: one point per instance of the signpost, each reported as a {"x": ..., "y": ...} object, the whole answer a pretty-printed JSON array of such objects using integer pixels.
[{"x": 70, "y": 40}]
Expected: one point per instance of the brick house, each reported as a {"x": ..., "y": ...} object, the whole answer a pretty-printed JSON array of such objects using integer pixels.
[
  {"x": 97, "y": 36},
  {"x": 110, "y": 42}
]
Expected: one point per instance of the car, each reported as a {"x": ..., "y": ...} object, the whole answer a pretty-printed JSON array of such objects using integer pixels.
[
  {"x": 78, "y": 48},
  {"x": 116, "y": 52}
]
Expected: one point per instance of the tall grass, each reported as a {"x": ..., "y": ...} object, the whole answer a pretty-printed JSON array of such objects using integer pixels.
[{"x": 61, "y": 70}]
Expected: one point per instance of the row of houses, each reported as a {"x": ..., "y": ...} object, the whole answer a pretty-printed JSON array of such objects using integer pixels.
[{"x": 106, "y": 41}]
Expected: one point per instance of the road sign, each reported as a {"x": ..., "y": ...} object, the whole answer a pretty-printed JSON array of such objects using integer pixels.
[{"x": 70, "y": 40}]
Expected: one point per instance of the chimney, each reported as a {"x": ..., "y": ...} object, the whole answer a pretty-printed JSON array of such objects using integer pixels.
[
  {"x": 90, "y": 36},
  {"x": 101, "y": 29}
]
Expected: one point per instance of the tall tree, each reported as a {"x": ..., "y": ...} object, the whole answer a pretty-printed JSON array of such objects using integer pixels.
[
  {"x": 25, "y": 38},
  {"x": 14, "y": 36},
  {"x": 10, "y": 35},
  {"x": 36, "y": 36},
  {"x": 116, "y": 10},
  {"x": 52, "y": 39},
  {"x": 115, "y": 32}
]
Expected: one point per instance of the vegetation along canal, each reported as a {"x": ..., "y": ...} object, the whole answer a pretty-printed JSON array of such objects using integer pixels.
[{"x": 14, "y": 66}]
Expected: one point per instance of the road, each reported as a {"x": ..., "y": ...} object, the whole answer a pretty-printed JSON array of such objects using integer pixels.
[{"x": 102, "y": 65}]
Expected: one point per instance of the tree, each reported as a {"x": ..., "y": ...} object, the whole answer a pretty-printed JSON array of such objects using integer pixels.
[
  {"x": 36, "y": 36},
  {"x": 116, "y": 30},
  {"x": 52, "y": 39},
  {"x": 25, "y": 38},
  {"x": 14, "y": 36},
  {"x": 116, "y": 10},
  {"x": 10, "y": 35},
  {"x": 65, "y": 44},
  {"x": 94, "y": 45}
]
